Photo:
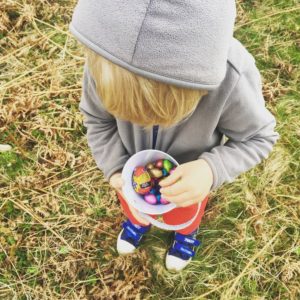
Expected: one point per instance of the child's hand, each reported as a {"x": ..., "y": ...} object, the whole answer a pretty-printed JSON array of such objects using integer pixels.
[
  {"x": 190, "y": 183},
  {"x": 117, "y": 182}
]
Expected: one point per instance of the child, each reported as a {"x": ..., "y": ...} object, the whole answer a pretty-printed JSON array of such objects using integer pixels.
[{"x": 174, "y": 67}]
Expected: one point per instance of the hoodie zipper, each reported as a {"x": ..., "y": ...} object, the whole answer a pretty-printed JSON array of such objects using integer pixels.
[
  {"x": 154, "y": 135},
  {"x": 156, "y": 132}
]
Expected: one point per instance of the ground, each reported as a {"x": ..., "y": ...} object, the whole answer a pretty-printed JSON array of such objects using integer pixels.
[{"x": 60, "y": 218}]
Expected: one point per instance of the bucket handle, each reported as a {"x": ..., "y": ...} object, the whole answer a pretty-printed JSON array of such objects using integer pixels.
[{"x": 165, "y": 226}]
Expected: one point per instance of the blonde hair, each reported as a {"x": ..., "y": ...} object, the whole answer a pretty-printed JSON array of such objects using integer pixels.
[{"x": 137, "y": 99}]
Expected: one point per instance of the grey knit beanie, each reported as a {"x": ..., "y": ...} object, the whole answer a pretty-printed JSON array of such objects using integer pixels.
[{"x": 180, "y": 42}]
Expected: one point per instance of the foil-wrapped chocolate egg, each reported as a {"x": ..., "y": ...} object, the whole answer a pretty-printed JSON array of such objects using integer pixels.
[
  {"x": 150, "y": 198},
  {"x": 153, "y": 180},
  {"x": 165, "y": 172},
  {"x": 172, "y": 170},
  {"x": 159, "y": 163},
  {"x": 158, "y": 197},
  {"x": 163, "y": 201},
  {"x": 156, "y": 173},
  {"x": 141, "y": 180},
  {"x": 150, "y": 166},
  {"x": 167, "y": 165},
  {"x": 153, "y": 191}
]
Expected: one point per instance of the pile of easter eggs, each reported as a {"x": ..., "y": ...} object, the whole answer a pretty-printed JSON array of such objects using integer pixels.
[{"x": 145, "y": 180}]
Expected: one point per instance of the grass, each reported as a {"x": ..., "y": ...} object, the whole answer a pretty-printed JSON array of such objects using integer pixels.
[{"x": 60, "y": 219}]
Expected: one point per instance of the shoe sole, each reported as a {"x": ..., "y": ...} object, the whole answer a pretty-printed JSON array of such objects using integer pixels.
[{"x": 124, "y": 253}]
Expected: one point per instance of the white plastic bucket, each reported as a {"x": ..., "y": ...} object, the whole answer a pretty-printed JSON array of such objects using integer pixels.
[{"x": 141, "y": 158}]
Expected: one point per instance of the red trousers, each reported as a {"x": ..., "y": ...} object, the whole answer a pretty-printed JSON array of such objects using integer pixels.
[{"x": 174, "y": 217}]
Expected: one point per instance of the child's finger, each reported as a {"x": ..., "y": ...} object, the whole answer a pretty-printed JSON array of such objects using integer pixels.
[
  {"x": 117, "y": 182},
  {"x": 171, "y": 178},
  {"x": 192, "y": 200},
  {"x": 120, "y": 182},
  {"x": 189, "y": 202},
  {"x": 177, "y": 188},
  {"x": 186, "y": 196}
]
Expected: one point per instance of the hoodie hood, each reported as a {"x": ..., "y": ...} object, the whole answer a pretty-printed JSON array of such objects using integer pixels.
[{"x": 184, "y": 43}]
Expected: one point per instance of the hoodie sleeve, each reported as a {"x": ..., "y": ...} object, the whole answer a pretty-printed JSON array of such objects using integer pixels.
[
  {"x": 102, "y": 132},
  {"x": 249, "y": 127}
]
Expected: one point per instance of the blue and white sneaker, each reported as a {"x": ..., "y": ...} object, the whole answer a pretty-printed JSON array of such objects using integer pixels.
[
  {"x": 182, "y": 251},
  {"x": 130, "y": 237}
]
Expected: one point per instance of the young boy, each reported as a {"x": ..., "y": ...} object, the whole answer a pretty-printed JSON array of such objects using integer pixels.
[{"x": 174, "y": 67}]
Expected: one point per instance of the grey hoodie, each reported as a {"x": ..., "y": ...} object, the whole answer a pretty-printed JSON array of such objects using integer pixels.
[{"x": 185, "y": 43}]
